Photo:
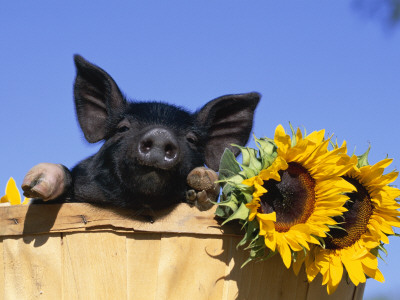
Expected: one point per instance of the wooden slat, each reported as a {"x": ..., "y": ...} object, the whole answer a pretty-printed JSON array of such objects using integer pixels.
[
  {"x": 232, "y": 272},
  {"x": 143, "y": 254},
  {"x": 359, "y": 292},
  {"x": 282, "y": 283},
  {"x": 1, "y": 270},
  {"x": 236, "y": 274},
  {"x": 302, "y": 285},
  {"x": 69, "y": 217},
  {"x": 32, "y": 270},
  {"x": 265, "y": 280},
  {"x": 94, "y": 266},
  {"x": 187, "y": 269}
]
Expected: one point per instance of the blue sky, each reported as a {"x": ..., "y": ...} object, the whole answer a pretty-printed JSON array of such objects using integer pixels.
[{"x": 317, "y": 64}]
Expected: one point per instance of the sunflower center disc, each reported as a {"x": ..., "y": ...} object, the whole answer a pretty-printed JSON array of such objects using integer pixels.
[
  {"x": 292, "y": 198},
  {"x": 356, "y": 219}
]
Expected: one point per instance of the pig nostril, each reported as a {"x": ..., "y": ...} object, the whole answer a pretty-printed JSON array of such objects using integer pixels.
[
  {"x": 170, "y": 151},
  {"x": 146, "y": 146}
]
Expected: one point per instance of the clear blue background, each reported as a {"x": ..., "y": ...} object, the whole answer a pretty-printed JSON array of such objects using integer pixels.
[{"x": 318, "y": 64}]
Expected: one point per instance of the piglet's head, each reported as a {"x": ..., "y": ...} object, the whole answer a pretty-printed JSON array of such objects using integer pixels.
[{"x": 150, "y": 147}]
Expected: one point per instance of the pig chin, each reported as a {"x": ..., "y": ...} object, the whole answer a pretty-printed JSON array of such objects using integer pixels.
[{"x": 153, "y": 182}]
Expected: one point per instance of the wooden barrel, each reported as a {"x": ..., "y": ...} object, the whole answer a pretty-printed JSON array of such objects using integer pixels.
[{"x": 79, "y": 251}]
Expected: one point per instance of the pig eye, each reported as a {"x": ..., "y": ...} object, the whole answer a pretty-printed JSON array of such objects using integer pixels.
[
  {"x": 191, "y": 138},
  {"x": 123, "y": 126}
]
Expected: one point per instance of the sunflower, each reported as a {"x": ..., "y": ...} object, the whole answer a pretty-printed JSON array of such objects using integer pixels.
[
  {"x": 295, "y": 197},
  {"x": 371, "y": 212}
]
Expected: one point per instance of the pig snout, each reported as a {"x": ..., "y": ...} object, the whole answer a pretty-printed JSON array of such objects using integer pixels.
[{"x": 158, "y": 148}]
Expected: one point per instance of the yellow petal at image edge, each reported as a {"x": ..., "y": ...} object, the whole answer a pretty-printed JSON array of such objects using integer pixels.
[{"x": 12, "y": 194}]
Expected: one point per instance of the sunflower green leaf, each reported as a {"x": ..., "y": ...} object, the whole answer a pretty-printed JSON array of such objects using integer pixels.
[
  {"x": 228, "y": 166},
  {"x": 241, "y": 213},
  {"x": 363, "y": 159}
]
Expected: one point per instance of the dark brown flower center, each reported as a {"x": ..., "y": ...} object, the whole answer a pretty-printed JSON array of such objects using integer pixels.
[
  {"x": 292, "y": 198},
  {"x": 355, "y": 220}
]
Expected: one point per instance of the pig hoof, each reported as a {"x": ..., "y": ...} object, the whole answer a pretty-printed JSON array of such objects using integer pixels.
[
  {"x": 205, "y": 188},
  {"x": 203, "y": 201},
  {"x": 202, "y": 178},
  {"x": 191, "y": 196},
  {"x": 45, "y": 181}
]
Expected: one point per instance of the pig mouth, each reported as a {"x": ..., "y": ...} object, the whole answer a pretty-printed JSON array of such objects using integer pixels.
[
  {"x": 147, "y": 170},
  {"x": 151, "y": 181},
  {"x": 155, "y": 177},
  {"x": 154, "y": 166}
]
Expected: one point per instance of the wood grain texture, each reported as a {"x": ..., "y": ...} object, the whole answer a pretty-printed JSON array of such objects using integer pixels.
[
  {"x": 94, "y": 266},
  {"x": 32, "y": 270},
  {"x": 143, "y": 256},
  {"x": 264, "y": 280},
  {"x": 69, "y": 217},
  {"x": 359, "y": 292},
  {"x": 183, "y": 260}
]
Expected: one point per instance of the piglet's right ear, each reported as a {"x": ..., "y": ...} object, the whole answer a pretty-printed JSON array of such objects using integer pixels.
[
  {"x": 98, "y": 100},
  {"x": 228, "y": 120}
]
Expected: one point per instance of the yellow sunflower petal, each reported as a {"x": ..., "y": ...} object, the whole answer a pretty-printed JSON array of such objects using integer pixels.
[
  {"x": 270, "y": 241},
  {"x": 297, "y": 264},
  {"x": 284, "y": 251},
  {"x": 382, "y": 164},
  {"x": 311, "y": 266},
  {"x": 354, "y": 269},
  {"x": 267, "y": 217},
  {"x": 373, "y": 273},
  {"x": 299, "y": 135},
  {"x": 266, "y": 226},
  {"x": 370, "y": 261},
  {"x": 12, "y": 192},
  {"x": 282, "y": 140},
  {"x": 252, "y": 206},
  {"x": 316, "y": 137},
  {"x": 331, "y": 288},
  {"x": 295, "y": 241},
  {"x": 335, "y": 274},
  {"x": 312, "y": 272}
]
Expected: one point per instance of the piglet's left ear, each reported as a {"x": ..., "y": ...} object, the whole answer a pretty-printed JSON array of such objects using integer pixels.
[
  {"x": 98, "y": 100},
  {"x": 228, "y": 120}
]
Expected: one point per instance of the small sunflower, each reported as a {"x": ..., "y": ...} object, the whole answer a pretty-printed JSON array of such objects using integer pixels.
[
  {"x": 12, "y": 195},
  {"x": 295, "y": 198},
  {"x": 372, "y": 210}
]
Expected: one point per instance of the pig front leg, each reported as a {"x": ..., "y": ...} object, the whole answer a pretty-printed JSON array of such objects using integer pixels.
[
  {"x": 205, "y": 188},
  {"x": 46, "y": 181}
]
